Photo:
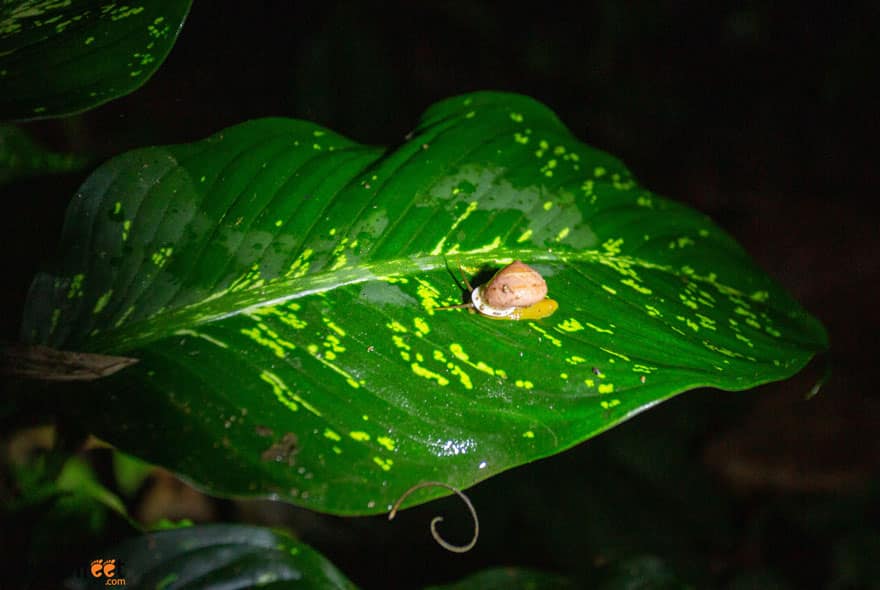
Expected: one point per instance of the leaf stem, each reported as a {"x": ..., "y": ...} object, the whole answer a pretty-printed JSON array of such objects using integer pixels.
[{"x": 437, "y": 519}]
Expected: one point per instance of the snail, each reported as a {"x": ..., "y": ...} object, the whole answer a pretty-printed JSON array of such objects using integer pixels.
[{"x": 516, "y": 292}]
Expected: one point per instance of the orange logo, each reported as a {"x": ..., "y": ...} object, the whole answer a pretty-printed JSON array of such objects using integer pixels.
[{"x": 106, "y": 568}]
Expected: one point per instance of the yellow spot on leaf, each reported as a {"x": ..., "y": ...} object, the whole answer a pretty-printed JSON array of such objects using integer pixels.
[
  {"x": 359, "y": 435},
  {"x": 570, "y": 325},
  {"x": 472, "y": 206},
  {"x": 599, "y": 329},
  {"x": 76, "y": 286},
  {"x": 102, "y": 302},
  {"x": 635, "y": 285},
  {"x": 300, "y": 266},
  {"x": 428, "y": 294},
  {"x": 284, "y": 394},
  {"x": 461, "y": 355},
  {"x": 264, "y": 336},
  {"x": 525, "y": 236},
  {"x": 385, "y": 464},
  {"x": 396, "y": 326},
  {"x": 332, "y": 435},
  {"x": 553, "y": 339},
  {"x": 421, "y": 326},
  {"x": 462, "y": 376},
  {"x": 340, "y": 262},
  {"x": 612, "y": 247},
  {"x": 330, "y": 324},
  {"x": 428, "y": 374},
  {"x": 617, "y": 354},
  {"x": 160, "y": 256}
]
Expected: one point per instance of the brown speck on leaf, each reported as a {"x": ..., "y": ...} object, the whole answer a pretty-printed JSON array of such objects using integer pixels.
[
  {"x": 283, "y": 450},
  {"x": 263, "y": 430}
]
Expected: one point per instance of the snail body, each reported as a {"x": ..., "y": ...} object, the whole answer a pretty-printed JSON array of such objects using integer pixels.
[{"x": 516, "y": 292}]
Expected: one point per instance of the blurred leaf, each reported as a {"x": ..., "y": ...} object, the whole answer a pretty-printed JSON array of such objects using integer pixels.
[
  {"x": 20, "y": 156},
  {"x": 278, "y": 283},
  {"x": 78, "y": 478},
  {"x": 164, "y": 524},
  {"x": 641, "y": 573},
  {"x": 58, "y": 518},
  {"x": 60, "y": 58},
  {"x": 219, "y": 556},
  {"x": 130, "y": 472}
]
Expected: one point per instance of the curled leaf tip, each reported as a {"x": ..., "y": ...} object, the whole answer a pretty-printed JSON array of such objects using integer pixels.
[{"x": 437, "y": 519}]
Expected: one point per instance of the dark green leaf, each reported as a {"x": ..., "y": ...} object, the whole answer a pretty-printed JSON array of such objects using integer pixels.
[
  {"x": 215, "y": 556},
  {"x": 509, "y": 578},
  {"x": 641, "y": 573},
  {"x": 20, "y": 156},
  {"x": 59, "y": 58},
  {"x": 278, "y": 283}
]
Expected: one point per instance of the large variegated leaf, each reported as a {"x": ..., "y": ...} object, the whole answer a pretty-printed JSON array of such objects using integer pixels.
[
  {"x": 280, "y": 283},
  {"x": 58, "y": 58}
]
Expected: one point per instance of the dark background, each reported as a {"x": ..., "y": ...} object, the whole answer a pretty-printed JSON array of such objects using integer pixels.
[{"x": 759, "y": 114}]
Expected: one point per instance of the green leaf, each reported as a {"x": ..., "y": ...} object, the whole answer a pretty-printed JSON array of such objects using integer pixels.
[
  {"x": 78, "y": 478},
  {"x": 130, "y": 472},
  {"x": 279, "y": 285},
  {"x": 59, "y": 58},
  {"x": 21, "y": 156},
  {"x": 231, "y": 556}
]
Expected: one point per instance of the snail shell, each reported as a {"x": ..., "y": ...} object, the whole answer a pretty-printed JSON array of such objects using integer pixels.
[{"x": 515, "y": 285}]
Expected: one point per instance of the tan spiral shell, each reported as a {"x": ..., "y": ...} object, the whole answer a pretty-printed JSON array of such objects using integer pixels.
[{"x": 515, "y": 285}]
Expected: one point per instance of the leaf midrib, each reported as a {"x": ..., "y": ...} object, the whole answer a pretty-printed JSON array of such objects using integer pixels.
[{"x": 276, "y": 291}]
